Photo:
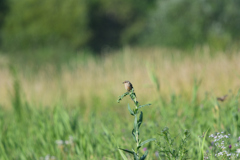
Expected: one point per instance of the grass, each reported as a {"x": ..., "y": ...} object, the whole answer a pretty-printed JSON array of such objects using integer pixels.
[{"x": 73, "y": 113}]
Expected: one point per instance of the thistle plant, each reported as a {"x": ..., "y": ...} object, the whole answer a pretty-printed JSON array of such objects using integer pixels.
[
  {"x": 136, "y": 125},
  {"x": 168, "y": 148}
]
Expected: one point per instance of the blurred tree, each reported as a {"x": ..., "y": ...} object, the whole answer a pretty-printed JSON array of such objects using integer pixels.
[
  {"x": 3, "y": 11},
  {"x": 115, "y": 22},
  {"x": 47, "y": 22},
  {"x": 185, "y": 23},
  {"x": 75, "y": 23}
]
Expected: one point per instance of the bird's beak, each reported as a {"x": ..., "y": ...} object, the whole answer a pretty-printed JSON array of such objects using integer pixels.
[{"x": 123, "y": 82}]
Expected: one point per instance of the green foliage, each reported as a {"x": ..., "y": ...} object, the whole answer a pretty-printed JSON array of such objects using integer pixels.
[
  {"x": 100, "y": 25},
  {"x": 32, "y": 23},
  {"x": 223, "y": 146},
  {"x": 45, "y": 130},
  {"x": 169, "y": 149},
  {"x": 3, "y": 12},
  {"x": 136, "y": 126},
  {"x": 16, "y": 96},
  {"x": 154, "y": 80},
  {"x": 201, "y": 155},
  {"x": 185, "y": 23},
  {"x": 59, "y": 132},
  {"x": 115, "y": 23},
  {"x": 74, "y": 24}
]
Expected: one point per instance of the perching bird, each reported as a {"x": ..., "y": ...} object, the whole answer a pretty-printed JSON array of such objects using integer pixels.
[{"x": 128, "y": 86}]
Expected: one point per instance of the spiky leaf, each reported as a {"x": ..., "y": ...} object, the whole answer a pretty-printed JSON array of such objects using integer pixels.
[
  {"x": 133, "y": 134},
  {"x": 135, "y": 123},
  {"x": 140, "y": 119},
  {"x": 144, "y": 155},
  {"x": 143, "y": 105},
  {"x": 123, "y": 156},
  {"x": 128, "y": 151},
  {"x": 149, "y": 140},
  {"x": 122, "y": 96},
  {"x": 131, "y": 112},
  {"x": 136, "y": 156}
]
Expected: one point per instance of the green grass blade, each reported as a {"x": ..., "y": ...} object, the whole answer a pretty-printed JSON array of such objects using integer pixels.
[
  {"x": 143, "y": 105},
  {"x": 149, "y": 140},
  {"x": 131, "y": 112},
  {"x": 128, "y": 151},
  {"x": 202, "y": 150},
  {"x": 122, "y": 154}
]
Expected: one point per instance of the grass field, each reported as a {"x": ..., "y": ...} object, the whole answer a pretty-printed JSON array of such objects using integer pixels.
[{"x": 71, "y": 111}]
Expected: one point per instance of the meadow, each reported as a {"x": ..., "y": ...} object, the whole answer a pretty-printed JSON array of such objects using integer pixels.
[{"x": 70, "y": 111}]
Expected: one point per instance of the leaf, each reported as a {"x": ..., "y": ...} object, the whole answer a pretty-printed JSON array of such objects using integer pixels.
[
  {"x": 135, "y": 123},
  {"x": 122, "y": 96},
  {"x": 128, "y": 151},
  {"x": 135, "y": 111},
  {"x": 165, "y": 131},
  {"x": 135, "y": 156},
  {"x": 154, "y": 79},
  {"x": 203, "y": 141},
  {"x": 144, "y": 155},
  {"x": 134, "y": 137},
  {"x": 131, "y": 112},
  {"x": 143, "y": 105},
  {"x": 140, "y": 119},
  {"x": 149, "y": 140},
  {"x": 123, "y": 156}
]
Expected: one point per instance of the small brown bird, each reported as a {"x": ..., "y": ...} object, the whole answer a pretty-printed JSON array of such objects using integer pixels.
[
  {"x": 128, "y": 86},
  {"x": 222, "y": 98}
]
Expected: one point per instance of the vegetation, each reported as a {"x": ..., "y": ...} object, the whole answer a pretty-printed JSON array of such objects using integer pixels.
[
  {"x": 72, "y": 113},
  {"x": 136, "y": 127},
  {"x": 100, "y": 25},
  {"x": 62, "y": 64},
  {"x": 186, "y": 23},
  {"x": 73, "y": 24}
]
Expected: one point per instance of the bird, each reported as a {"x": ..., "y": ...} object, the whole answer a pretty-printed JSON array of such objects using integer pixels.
[
  {"x": 128, "y": 85},
  {"x": 222, "y": 98}
]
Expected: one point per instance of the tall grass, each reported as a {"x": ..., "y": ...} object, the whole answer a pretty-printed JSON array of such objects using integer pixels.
[
  {"x": 82, "y": 78},
  {"x": 72, "y": 114},
  {"x": 65, "y": 133}
]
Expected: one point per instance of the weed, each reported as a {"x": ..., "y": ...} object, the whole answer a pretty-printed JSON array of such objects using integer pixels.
[
  {"x": 222, "y": 148},
  {"x": 136, "y": 125},
  {"x": 168, "y": 148}
]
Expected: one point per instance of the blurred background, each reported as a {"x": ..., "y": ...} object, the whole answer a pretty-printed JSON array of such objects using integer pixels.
[
  {"x": 98, "y": 44},
  {"x": 98, "y": 26},
  {"x": 75, "y": 54}
]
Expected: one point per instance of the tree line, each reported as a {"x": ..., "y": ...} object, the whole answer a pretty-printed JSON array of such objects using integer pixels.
[{"x": 100, "y": 24}]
